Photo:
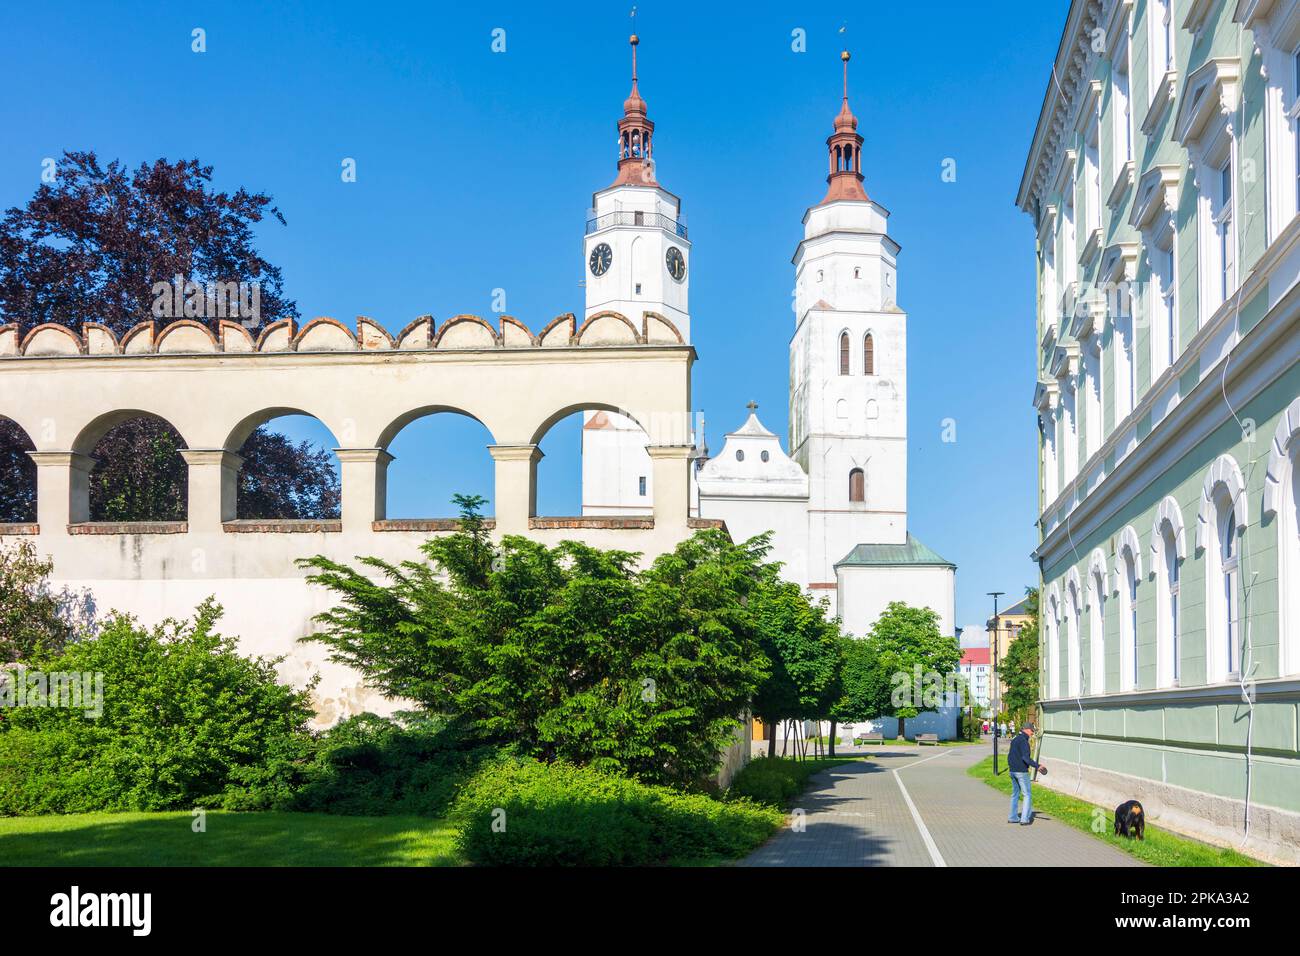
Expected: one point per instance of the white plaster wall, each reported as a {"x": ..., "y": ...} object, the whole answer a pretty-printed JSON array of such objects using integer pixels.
[{"x": 865, "y": 593}]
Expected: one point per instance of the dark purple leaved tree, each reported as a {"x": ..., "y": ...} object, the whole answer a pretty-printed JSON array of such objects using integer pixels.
[{"x": 92, "y": 246}]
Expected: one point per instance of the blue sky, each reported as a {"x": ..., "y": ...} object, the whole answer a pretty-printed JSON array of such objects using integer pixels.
[{"x": 461, "y": 152}]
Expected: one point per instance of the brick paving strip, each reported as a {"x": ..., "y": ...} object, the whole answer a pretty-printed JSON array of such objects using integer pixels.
[{"x": 920, "y": 808}]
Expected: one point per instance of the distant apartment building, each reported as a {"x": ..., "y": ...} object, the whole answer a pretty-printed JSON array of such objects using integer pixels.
[
  {"x": 1002, "y": 630},
  {"x": 977, "y": 671},
  {"x": 1163, "y": 182}
]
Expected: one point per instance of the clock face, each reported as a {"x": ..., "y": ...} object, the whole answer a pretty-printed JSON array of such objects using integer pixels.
[
  {"x": 601, "y": 257},
  {"x": 676, "y": 263}
]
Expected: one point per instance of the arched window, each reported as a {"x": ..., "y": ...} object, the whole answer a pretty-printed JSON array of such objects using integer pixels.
[
  {"x": 1072, "y": 680},
  {"x": 1168, "y": 623},
  {"x": 1223, "y": 516},
  {"x": 857, "y": 485},
  {"x": 1220, "y": 527},
  {"x": 1053, "y": 649},
  {"x": 844, "y": 353},
  {"x": 1097, "y": 632},
  {"x": 1128, "y": 569},
  {"x": 1288, "y": 530},
  {"x": 868, "y": 355}
]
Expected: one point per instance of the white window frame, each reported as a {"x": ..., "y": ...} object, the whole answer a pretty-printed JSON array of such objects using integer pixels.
[
  {"x": 1121, "y": 111},
  {"x": 1222, "y": 585},
  {"x": 1278, "y": 39},
  {"x": 1162, "y": 299},
  {"x": 1129, "y": 572},
  {"x": 1092, "y": 175},
  {"x": 1162, "y": 44},
  {"x": 1097, "y": 631},
  {"x": 1168, "y": 617},
  {"x": 1073, "y": 663}
]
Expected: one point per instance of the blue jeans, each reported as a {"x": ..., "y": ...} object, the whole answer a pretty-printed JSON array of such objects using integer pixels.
[{"x": 1020, "y": 785}]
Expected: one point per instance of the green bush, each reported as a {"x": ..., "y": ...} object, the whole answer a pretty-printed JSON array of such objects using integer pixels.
[
  {"x": 775, "y": 781},
  {"x": 186, "y": 722},
  {"x": 369, "y": 765},
  {"x": 520, "y": 812}
]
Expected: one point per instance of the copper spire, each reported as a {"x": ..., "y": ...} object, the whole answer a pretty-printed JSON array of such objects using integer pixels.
[
  {"x": 845, "y": 149},
  {"x": 635, "y": 132}
]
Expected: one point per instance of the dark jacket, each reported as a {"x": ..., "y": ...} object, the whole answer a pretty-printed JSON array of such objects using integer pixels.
[{"x": 1020, "y": 759}]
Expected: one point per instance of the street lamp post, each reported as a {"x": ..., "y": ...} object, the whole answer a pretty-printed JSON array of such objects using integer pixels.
[{"x": 997, "y": 688}]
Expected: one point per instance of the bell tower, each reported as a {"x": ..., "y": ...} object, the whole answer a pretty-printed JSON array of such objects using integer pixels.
[
  {"x": 848, "y": 362},
  {"x": 637, "y": 259},
  {"x": 636, "y": 251}
]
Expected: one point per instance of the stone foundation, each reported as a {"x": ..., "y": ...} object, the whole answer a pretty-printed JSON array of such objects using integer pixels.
[{"x": 1274, "y": 833}]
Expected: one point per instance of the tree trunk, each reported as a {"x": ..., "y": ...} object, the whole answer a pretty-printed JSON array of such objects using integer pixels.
[
  {"x": 771, "y": 738},
  {"x": 900, "y": 728},
  {"x": 830, "y": 748}
]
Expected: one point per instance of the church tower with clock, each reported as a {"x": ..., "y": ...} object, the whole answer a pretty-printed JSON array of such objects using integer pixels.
[{"x": 637, "y": 259}]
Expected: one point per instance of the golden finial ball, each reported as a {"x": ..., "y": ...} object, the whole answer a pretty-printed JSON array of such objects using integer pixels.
[
  {"x": 845, "y": 56},
  {"x": 633, "y": 40}
]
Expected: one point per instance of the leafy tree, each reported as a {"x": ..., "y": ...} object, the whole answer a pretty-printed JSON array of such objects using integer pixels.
[
  {"x": 89, "y": 246},
  {"x": 864, "y": 685},
  {"x": 567, "y": 652},
  {"x": 1019, "y": 669},
  {"x": 907, "y": 638},
  {"x": 801, "y": 643},
  {"x": 184, "y": 720},
  {"x": 17, "y": 474},
  {"x": 34, "y": 621}
]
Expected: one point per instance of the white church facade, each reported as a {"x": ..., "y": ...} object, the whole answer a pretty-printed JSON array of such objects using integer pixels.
[{"x": 836, "y": 502}]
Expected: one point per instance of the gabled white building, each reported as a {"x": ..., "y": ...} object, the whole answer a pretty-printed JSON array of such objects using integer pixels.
[{"x": 837, "y": 503}]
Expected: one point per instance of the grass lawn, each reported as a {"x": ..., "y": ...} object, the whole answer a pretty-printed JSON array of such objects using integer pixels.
[
  {"x": 1160, "y": 848},
  {"x": 231, "y": 839}
]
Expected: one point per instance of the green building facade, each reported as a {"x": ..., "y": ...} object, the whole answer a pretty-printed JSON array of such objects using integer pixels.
[{"x": 1164, "y": 185}]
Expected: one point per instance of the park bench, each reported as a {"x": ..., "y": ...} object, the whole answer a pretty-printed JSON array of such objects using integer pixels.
[
  {"x": 927, "y": 739},
  {"x": 871, "y": 738}
]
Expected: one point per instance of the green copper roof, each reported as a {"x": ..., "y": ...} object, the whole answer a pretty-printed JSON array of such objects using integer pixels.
[{"x": 877, "y": 555}]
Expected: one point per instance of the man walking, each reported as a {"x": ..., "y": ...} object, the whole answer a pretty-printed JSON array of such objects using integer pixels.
[{"x": 1019, "y": 760}]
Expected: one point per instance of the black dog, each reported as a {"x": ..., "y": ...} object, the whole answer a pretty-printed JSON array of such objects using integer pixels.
[{"x": 1130, "y": 821}]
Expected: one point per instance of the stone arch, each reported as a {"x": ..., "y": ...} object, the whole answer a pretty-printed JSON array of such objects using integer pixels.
[
  {"x": 277, "y": 336},
  {"x": 555, "y": 335},
  {"x": 324, "y": 334},
  {"x": 648, "y": 331},
  {"x": 90, "y": 433},
  {"x": 164, "y": 487},
  {"x": 235, "y": 337},
  {"x": 252, "y": 500},
  {"x": 1128, "y": 542},
  {"x": 250, "y": 423},
  {"x": 1097, "y": 569},
  {"x": 190, "y": 336},
  {"x": 100, "y": 339},
  {"x": 1227, "y": 474},
  {"x": 417, "y": 446},
  {"x": 608, "y": 328},
  {"x": 139, "y": 339},
  {"x": 417, "y": 334},
  {"x": 460, "y": 330},
  {"x": 373, "y": 337},
  {"x": 394, "y": 427},
  {"x": 1279, "y": 458},
  {"x": 514, "y": 334},
  {"x": 18, "y": 488},
  {"x": 50, "y": 338},
  {"x": 1169, "y": 512},
  {"x": 572, "y": 409}
]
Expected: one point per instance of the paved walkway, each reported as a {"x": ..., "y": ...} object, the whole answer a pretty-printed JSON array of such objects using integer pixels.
[{"x": 918, "y": 807}]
